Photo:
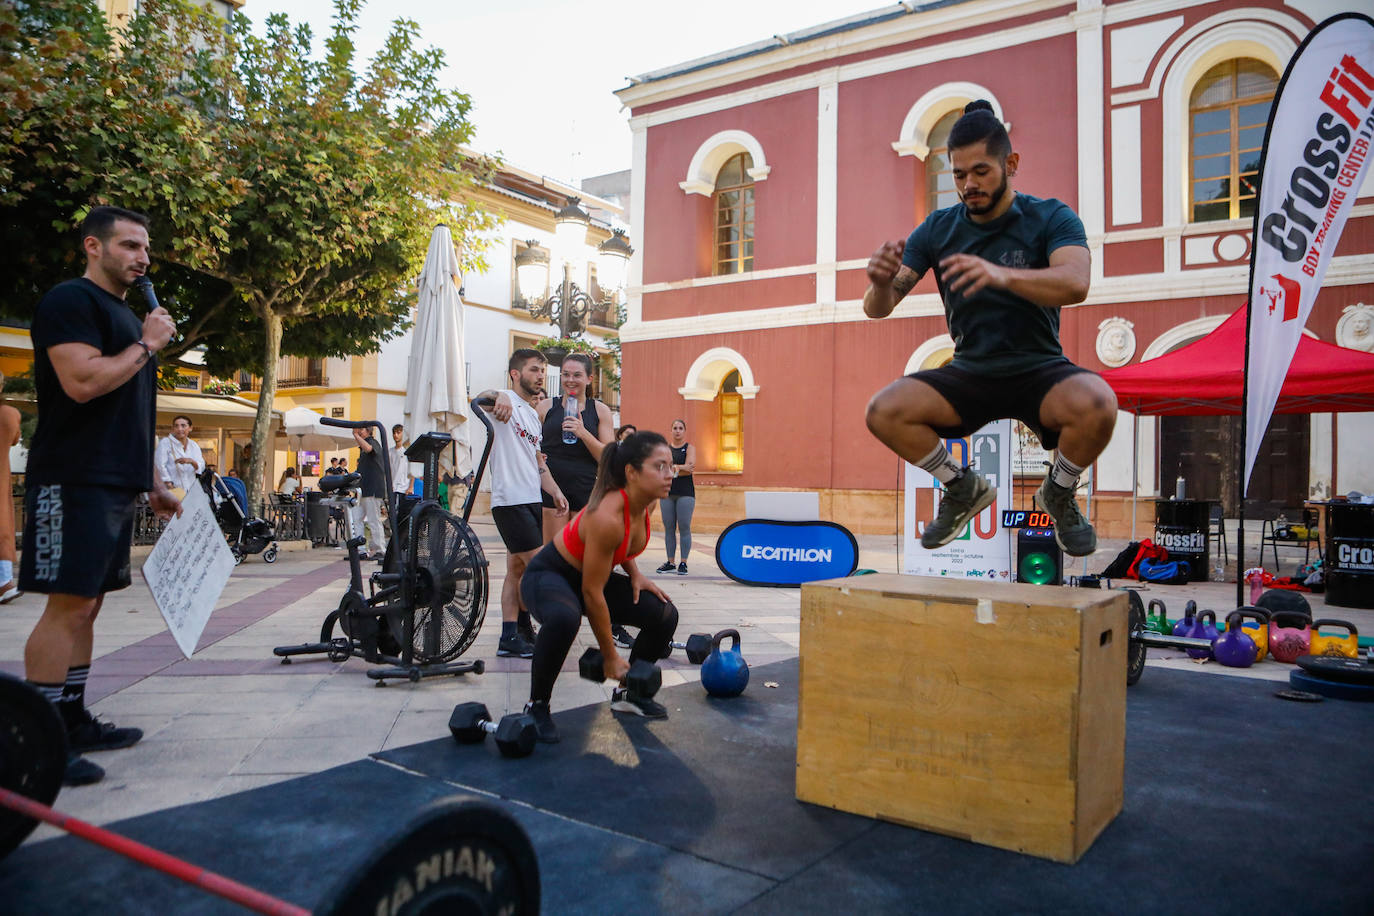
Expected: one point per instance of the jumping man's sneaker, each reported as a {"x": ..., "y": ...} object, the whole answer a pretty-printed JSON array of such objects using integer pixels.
[
  {"x": 682, "y": 568},
  {"x": 622, "y": 636},
  {"x": 81, "y": 772},
  {"x": 95, "y": 735},
  {"x": 964, "y": 497},
  {"x": 1073, "y": 532},
  {"x": 623, "y": 699},
  {"x": 515, "y": 647},
  {"x": 666, "y": 567},
  {"x": 543, "y": 721}
]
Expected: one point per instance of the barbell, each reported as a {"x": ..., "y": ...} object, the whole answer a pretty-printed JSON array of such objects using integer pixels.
[{"x": 455, "y": 855}]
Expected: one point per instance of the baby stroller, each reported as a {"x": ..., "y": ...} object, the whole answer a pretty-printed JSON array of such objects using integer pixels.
[{"x": 246, "y": 536}]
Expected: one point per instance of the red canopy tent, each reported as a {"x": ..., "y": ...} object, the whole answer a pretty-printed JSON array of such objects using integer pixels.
[{"x": 1206, "y": 377}]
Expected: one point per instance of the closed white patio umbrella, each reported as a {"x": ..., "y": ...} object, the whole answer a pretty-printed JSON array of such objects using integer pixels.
[{"x": 436, "y": 383}]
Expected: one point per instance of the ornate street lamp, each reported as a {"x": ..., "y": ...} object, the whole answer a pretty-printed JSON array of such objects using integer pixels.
[{"x": 568, "y": 305}]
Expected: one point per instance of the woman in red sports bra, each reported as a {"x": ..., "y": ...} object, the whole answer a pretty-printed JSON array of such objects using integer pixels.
[{"x": 572, "y": 577}]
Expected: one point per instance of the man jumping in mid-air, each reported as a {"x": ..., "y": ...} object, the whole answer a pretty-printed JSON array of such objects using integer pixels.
[{"x": 1004, "y": 264}]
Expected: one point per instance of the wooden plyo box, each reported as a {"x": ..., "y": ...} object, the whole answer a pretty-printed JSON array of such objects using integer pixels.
[{"x": 988, "y": 711}]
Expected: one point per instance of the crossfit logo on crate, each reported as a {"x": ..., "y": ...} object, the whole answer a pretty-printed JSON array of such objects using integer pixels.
[
  {"x": 1188, "y": 542},
  {"x": 1355, "y": 556}
]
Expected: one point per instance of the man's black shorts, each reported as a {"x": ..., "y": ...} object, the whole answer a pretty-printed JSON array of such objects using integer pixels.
[
  {"x": 521, "y": 527},
  {"x": 77, "y": 539},
  {"x": 980, "y": 399}
]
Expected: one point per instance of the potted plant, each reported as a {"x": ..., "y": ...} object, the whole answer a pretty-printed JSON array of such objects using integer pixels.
[
  {"x": 556, "y": 349},
  {"x": 220, "y": 386}
]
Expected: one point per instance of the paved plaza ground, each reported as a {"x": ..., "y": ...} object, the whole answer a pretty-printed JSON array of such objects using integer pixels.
[{"x": 234, "y": 718}]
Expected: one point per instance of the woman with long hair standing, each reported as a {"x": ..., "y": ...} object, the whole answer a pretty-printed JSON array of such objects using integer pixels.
[
  {"x": 682, "y": 499},
  {"x": 571, "y": 578}
]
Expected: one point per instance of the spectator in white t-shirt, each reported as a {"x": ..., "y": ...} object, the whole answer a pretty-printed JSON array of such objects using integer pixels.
[
  {"x": 518, "y": 474},
  {"x": 400, "y": 464},
  {"x": 178, "y": 460}
]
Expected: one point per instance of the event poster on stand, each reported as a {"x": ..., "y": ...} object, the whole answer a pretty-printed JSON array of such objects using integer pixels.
[{"x": 982, "y": 550}]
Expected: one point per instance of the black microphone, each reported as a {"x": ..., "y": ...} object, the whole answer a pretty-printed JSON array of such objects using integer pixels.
[{"x": 145, "y": 287}]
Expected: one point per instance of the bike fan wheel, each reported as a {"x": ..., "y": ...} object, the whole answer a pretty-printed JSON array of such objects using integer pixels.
[{"x": 447, "y": 570}]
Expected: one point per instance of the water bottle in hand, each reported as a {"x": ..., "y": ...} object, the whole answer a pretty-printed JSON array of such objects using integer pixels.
[{"x": 569, "y": 410}]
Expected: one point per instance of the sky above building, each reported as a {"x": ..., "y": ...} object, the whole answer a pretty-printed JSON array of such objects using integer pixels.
[{"x": 541, "y": 73}]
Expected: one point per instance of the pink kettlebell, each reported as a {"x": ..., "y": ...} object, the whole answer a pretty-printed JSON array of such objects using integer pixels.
[{"x": 1286, "y": 643}]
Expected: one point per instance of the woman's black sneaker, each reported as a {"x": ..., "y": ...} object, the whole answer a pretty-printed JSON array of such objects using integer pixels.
[
  {"x": 622, "y": 637},
  {"x": 666, "y": 567},
  {"x": 544, "y": 728},
  {"x": 81, "y": 772},
  {"x": 623, "y": 699}
]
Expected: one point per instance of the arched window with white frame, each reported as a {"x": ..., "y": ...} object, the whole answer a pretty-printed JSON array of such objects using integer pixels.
[{"x": 1228, "y": 110}]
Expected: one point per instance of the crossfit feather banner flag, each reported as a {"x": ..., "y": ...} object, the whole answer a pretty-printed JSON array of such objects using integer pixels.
[{"x": 1316, "y": 154}]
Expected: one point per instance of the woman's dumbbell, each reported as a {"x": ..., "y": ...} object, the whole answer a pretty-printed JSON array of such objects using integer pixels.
[
  {"x": 698, "y": 647},
  {"x": 644, "y": 678},
  {"x": 515, "y": 733}
]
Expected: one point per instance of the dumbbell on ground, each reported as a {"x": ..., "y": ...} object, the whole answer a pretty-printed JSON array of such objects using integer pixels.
[
  {"x": 515, "y": 734},
  {"x": 697, "y": 646},
  {"x": 644, "y": 677}
]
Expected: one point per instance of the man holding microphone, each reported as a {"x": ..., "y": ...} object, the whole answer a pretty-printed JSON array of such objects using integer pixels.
[{"x": 95, "y": 373}]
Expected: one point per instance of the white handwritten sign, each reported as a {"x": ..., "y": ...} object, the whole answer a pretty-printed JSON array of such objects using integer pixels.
[{"x": 187, "y": 570}]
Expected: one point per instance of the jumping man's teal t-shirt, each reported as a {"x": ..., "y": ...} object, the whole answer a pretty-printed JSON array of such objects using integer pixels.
[{"x": 996, "y": 331}]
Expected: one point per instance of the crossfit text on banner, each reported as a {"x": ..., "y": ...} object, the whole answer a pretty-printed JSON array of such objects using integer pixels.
[{"x": 1316, "y": 156}]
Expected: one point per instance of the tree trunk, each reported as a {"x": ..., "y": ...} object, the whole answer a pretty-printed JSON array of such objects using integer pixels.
[{"x": 262, "y": 422}]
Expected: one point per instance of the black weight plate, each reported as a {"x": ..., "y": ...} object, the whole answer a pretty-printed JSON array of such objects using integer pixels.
[
  {"x": 33, "y": 755},
  {"x": 456, "y": 856},
  {"x": 1332, "y": 668},
  {"x": 1135, "y": 648},
  {"x": 1299, "y": 696},
  {"x": 1336, "y": 690}
]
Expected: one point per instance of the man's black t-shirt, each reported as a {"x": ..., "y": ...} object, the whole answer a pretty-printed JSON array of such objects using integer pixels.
[
  {"x": 996, "y": 332},
  {"x": 370, "y": 466},
  {"x": 107, "y": 441}
]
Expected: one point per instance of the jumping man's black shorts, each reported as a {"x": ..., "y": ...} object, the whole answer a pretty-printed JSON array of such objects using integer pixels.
[
  {"x": 521, "y": 527},
  {"x": 77, "y": 539},
  {"x": 980, "y": 399}
]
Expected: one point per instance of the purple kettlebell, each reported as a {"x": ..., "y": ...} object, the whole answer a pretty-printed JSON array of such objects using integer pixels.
[
  {"x": 1202, "y": 629},
  {"x": 1234, "y": 648},
  {"x": 1184, "y": 627}
]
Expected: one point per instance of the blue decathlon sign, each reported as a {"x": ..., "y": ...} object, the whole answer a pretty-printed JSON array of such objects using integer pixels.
[{"x": 764, "y": 552}]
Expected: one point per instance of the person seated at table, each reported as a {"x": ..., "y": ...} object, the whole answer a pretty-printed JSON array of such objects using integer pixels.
[
  {"x": 289, "y": 485},
  {"x": 571, "y": 578}
]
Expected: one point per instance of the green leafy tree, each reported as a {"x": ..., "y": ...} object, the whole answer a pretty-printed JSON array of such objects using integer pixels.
[
  {"x": 292, "y": 197},
  {"x": 92, "y": 116}
]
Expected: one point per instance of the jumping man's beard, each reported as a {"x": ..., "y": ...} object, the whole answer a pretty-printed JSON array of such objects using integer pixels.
[{"x": 993, "y": 201}]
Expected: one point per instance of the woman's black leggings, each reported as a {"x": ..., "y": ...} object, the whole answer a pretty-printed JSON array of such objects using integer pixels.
[{"x": 552, "y": 591}]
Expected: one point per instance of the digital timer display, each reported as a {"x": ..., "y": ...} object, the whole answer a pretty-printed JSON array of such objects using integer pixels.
[{"x": 1024, "y": 518}]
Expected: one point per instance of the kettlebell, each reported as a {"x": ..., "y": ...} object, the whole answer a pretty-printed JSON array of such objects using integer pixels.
[
  {"x": 1234, "y": 648},
  {"x": 1286, "y": 643},
  {"x": 1184, "y": 627},
  {"x": 1347, "y": 646},
  {"x": 1203, "y": 629},
  {"x": 725, "y": 673},
  {"x": 1157, "y": 622},
  {"x": 1258, "y": 630}
]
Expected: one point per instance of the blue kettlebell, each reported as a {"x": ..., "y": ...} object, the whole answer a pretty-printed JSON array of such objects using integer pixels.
[
  {"x": 725, "y": 673},
  {"x": 1234, "y": 648}
]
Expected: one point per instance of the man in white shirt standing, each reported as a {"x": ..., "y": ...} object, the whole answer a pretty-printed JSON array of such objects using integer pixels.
[
  {"x": 178, "y": 460},
  {"x": 518, "y": 474},
  {"x": 400, "y": 464}
]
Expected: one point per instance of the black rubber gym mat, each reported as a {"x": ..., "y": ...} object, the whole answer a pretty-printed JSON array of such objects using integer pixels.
[
  {"x": 1235, "y": 802},
  {"x": 297, "y": 838}
]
